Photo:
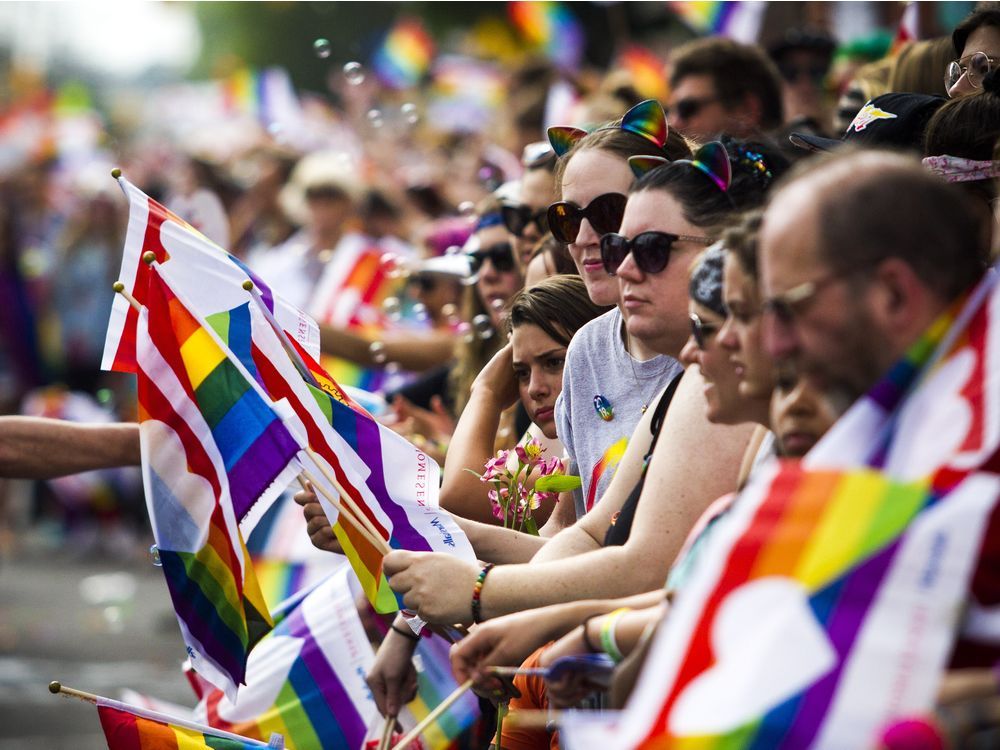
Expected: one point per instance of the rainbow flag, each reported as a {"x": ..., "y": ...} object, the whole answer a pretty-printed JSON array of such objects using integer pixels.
[
  {"x": 435, "y": 682},
  {"x": 737, "y": 19},
  {"x": 405, "y": 55},
  {"x": 401, "y": 503},
  {"x": 255, "y": 445},
  {"x": 211, "y": 278},
  {"x": 823, "y": 606},
  {"x": 306, "y": 679},
  {"x": 131, "y": 728},
  {"x": 350, "y": 295},
  {"x": 211, "y": 447},
  {"x": 551, "y": 28},
  {"x": 646, "y": 71}
]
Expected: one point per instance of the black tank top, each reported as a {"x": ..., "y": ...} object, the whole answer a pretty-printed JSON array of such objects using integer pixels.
[{"x": 621, "y": 524}]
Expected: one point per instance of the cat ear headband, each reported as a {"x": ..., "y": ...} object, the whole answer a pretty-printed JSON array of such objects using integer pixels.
[
  {"x": 645, "y": 119},
  {"x": 712, "y": 159}
]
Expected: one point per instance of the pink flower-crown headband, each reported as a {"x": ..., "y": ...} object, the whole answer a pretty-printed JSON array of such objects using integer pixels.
[
  {"x": 645, "y": 119},
  {"x": 959, "y": 169}
]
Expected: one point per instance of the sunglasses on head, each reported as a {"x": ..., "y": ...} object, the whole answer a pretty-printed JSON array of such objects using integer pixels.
[
  {"x": 501, "y": 255},
  {"x": 651, "y": 250},
  {"x": 517, "y": 217},
  {"x": 685, "y": 109},
  {"x": 604, "y": 214},
  {"x": 700, "y": 330}
]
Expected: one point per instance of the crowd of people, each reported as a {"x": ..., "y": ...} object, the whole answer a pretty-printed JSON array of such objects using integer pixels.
[{"x": 671, "y": 298}]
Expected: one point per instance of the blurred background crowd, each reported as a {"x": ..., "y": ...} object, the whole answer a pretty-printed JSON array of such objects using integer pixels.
[{"x": 279, "y": 129}]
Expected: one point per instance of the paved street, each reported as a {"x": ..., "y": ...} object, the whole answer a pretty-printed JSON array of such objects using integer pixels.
[{"x": 98, "y": 624}]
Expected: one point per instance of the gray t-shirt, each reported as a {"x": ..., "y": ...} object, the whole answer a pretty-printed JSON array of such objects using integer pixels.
[{"x": 597, "y": 366}]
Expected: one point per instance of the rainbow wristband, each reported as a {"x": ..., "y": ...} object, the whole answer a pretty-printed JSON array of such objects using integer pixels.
[
  {"x": 608, "y": 642},
  {"x": 477, "y": 593}
]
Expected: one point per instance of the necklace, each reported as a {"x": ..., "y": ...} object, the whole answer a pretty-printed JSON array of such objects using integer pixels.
[{"x": 635, "y": 375}]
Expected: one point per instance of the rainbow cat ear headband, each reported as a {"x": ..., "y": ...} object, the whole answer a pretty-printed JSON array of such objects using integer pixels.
[
  {"x": 645, "y": 119},
  {"x": 711, "y": 159}
]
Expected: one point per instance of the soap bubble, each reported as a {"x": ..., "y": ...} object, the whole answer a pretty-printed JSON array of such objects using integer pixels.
[
  {"x": 354, "y": 74},
  {"x": 154, "y": 553},
  {"x": 375, "y": 118},
  {"x": 410, "y": 113},
  {"x": 377, "y": 350},
  {"x": 322, "y": 48}
]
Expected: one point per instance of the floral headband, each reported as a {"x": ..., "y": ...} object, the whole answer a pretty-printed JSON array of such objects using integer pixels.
[
  {"x": 712, "y": 160},
  {"x": 957, "y": 169},
  {"x": 645, "y": 119}
]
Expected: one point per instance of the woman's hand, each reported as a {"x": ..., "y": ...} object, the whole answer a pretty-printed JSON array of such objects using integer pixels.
[
  {"x": 437, "y": 586},
  {"x": 497, "y": 379},
  {"x": 393, "y": 678},
  {"x": 317, "y": 524}
]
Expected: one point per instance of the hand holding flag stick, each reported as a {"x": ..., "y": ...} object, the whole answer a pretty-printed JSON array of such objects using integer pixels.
[
  {"x": 390, "y": 725},
  {"x": 433, "y": 715}
]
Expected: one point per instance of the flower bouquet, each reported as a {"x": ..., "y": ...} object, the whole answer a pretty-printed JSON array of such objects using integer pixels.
[{"x": 510, "y": 472}]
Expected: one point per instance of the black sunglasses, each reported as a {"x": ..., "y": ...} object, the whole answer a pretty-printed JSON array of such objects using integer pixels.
[
  {"x": 651, "y": 250},
  {"x": 501, "y": 255},
  {"x": 425, "y": 282},
  {"x": 517, "y": 217},
  {"x": 700, "y": 330},
  {"x": 688, "y": 108},
  {"x": 604, "y": 214}
]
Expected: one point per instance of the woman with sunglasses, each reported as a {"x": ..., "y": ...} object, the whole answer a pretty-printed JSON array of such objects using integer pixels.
[
  {"x": 527, "y": 217},
  {"x": 672, "y": 213},
  {"x": 610, "y": 376}
]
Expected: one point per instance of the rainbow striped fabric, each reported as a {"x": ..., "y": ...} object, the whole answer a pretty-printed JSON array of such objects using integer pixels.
[
  {"x": 550, "y": 27},
  {"x": 401, "y": 504},
  {"x": 435, "y": 682},
  {"x": 405, "y": 55},
  {"x": 306, "y": 679},
  {"x": 211, "y": 446},
  {"x": 210, "y": 277},
  {"x": 823, "y": 606},
  {"x": 131, "y": 728}
]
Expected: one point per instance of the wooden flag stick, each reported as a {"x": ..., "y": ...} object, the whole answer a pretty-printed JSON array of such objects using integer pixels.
[
  {"x": 390, "y": 725},
  {"x": 515, "y": 671},
  {"x": 433, "y": 715},
  {"x": 56, "y": 687},
  {"x": 120, "y": 288},
  {"x": 346, "y": 499},
  {"x": 533, "y": 719},
  {"x": 378, "y": 542}
]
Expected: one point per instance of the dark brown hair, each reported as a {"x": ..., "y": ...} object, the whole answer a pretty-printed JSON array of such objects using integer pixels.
[
  {"x": 736, "y": 70},
  {"x": 987, "y": 15},
  {"x": 559, "y": 305}
]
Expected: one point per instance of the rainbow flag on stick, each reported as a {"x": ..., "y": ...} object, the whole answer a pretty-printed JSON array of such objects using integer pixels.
[
  {"x": 306, "y": 680},
  {"x": 131, "y": 728},
  {"x": 401, "y": 504},
  {"x": 211, "y": 446},
  {"x": 210, "y": 276},
  {"x": 552, "y": 28}
]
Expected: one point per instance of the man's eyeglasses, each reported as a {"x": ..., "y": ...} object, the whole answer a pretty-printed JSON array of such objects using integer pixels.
[
  {"x": 604, "y": 214},
  {"x": 792, "y": 72},
  {"x": 974, "y": 67},
  {"x": 501, "y": 255},
  {"x": 701, "y": 331},
  {"x": 685, "y": 109},
  {"x": 518, "y": 217},
  {"x": 784, "y": 306},
  {"x": 651, "y": 250}
]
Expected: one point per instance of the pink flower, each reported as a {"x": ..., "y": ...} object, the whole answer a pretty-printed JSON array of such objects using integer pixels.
[
  {"x": 531, "y": 452},
  {"x": 545, "y": 497},
  {"x": 498, "y": 499},
  {"x": 550, "y": 466},
  {"x": 495, "y": 467}
]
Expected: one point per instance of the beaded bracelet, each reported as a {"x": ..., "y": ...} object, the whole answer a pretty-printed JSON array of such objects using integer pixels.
[
  {"x": 608, "y": 642},
  {"x": 406, "y": 633},
  {"x": 477, "y": 593}
]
